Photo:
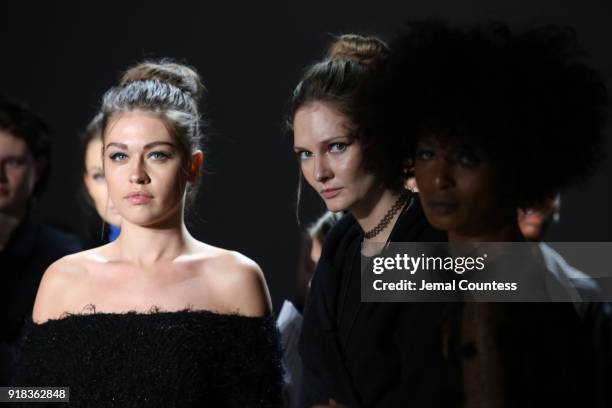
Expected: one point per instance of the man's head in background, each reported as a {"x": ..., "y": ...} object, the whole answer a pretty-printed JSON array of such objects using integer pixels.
[{"x": 24, "y": 157}]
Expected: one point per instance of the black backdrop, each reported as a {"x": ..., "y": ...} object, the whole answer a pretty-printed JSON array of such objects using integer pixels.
[{"x": 60, "y": 57}]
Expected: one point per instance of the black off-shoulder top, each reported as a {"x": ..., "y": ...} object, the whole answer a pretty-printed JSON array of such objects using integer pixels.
[{"x": 188, "y": 358}]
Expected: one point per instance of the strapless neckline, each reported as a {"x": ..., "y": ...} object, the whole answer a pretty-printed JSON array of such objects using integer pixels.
[{"x": 153, "y": 312}]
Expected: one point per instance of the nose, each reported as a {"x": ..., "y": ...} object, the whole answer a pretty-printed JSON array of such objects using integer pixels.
[
  {"x": 443, "y": 175},
  {"x": 322, "y": 170},
  {"x": 138, "y": 174}
]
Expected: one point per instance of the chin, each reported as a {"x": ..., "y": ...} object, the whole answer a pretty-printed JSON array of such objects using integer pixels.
[
  {"x": 139, "y": 216},
  {"x": 443, "y": 223},
  {"x": 530, "y": 232},
  {"x": 335, "y": 207}
]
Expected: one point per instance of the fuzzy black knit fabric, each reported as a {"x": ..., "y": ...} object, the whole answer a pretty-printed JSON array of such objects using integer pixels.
[{"x": 189, "y": 358}]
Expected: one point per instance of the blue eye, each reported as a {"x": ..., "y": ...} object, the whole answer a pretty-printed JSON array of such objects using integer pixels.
[
  {"x": 303, "y": 154},
  {"x": 158, "y": 155},
  {"x": 337, "y": 147},
  {"x": 118, "y": 156}
]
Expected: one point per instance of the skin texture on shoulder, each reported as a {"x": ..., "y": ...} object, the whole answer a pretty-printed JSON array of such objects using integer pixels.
[
  {"x": 54, "y": 289},
  {"x": 203, "y": 277},
  {"x": 236, "y": 283}
]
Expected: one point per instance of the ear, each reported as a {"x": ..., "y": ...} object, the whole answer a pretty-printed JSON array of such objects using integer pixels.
[{"x": 197, "y": 160}]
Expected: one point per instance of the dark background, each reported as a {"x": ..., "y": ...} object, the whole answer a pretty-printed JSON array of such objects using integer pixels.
[{"x": 61, "y": 57}]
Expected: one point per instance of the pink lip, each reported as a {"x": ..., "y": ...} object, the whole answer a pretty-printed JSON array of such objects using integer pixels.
[
  {"x": 139, "y": 198},
  {"x": 330, "y": 193}
]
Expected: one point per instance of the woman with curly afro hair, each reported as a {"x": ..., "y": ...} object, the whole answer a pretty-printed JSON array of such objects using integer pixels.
[{"x": 495, "y": 120}]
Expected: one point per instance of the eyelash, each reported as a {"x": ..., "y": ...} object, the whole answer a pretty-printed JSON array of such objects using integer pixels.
[
  {"x": 118, "y": 156},
  {"x": 157, "y": 156},
  {"x": 463, "y": 158},
  {"x": 343, "y": 147},
  {"x": 468, "y": 159},
  {"x": 161, "y": 155},
  {"x": 302, "y": 153},
  {"x": 421, "y": 153}
]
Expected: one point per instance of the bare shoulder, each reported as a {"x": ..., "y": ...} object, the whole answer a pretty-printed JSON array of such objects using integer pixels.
[
  {"x": 237, "y": 282},
  {"x": 56, "y": 285}
]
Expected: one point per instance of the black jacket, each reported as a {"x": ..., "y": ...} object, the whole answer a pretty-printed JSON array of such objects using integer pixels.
[
  {"x": 390, "y": 354},
  {"x": 414, "y": 354},
  {"x": 28, "y": 253}
]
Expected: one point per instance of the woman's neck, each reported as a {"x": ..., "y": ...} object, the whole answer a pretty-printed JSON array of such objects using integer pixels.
[
  {"x": 145, "y": 246},
  {"x": 371, "y": 212}
]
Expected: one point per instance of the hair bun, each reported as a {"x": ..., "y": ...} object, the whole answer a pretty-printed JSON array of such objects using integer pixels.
[
  {"x": 182, "y": 76},
  {"x": 364, "y": 50}
]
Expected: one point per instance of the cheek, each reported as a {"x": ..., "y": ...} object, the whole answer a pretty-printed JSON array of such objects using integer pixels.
[
  {"x": 307, "y": 172},
  {"x": 422, "y": 177},
  {"x": 348, "y": 167},
  {"x": 99, "y": 193},
  {"x": 22, "y": 178},
  {"x": 169, "y": 178},
  {"x": 115, "y": 182},
  {"x": 477, "y": 194}
]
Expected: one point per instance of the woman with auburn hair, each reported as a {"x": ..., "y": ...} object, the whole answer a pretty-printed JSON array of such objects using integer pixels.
[
  {"x": 359, "y": 354},
  {"x": 156, "y": 317}
]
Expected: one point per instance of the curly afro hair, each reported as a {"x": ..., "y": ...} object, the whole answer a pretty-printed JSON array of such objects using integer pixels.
[{"x": 528, "y": 99}]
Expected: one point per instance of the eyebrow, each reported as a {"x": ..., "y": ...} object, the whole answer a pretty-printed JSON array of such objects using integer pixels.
[
  {"x": 147, "y": 146},
  {"x": 323, "y": 142}
]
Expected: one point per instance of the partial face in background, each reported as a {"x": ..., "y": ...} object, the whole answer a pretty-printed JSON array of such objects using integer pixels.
[
  {"x": 95, "y": 182},
  {"x": 533, "y": 222},
  {"x": 18, "y": 173},
  {"x": 458, "y": 188},
  {"x": 331, "y": 159},
  {"x": 145, "y": 170}
]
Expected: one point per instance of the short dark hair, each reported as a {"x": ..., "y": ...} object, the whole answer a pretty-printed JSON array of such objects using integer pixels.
[
  {"x": 528, "y": 99},
  {"x": 23, "y": 123}
]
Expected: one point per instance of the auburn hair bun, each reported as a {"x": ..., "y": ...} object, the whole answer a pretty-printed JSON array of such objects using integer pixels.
[
  {"x": 364, "y": 50},
  {"x": 181, "y": 76}
]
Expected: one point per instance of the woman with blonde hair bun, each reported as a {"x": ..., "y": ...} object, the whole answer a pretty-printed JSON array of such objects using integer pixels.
[
  {"x": 359, "y": 354},
  {"x": 156, "y": 317}
]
